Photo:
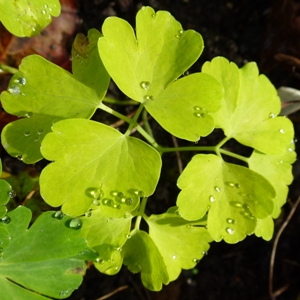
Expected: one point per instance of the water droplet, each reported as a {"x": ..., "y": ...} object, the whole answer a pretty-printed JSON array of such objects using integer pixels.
[
  {"x": 12, "y": 194},
  {"x": 70, "y": 58},
  {"x": 211, "y": 199},
  {"x": 108, "y": 202},
  {"x": 96, "y": 202},
  {"x": 27, "y": 133},
  {"x": 230, "y": 221},
  {"x": 236, "y": 204},
  {"x": 14, "y": 90},
  {"x": 186, "y": 73},
  {"x": 119, "y": 249},
  {"x": 21, "y": 81},
  {"x": 120, "y": 194},
  {"x": 218, "y": 189},
  {"x": 230, "y": 230},
  {"x": 19, "y": 157},
  {"x": 145, "y": 85},
  {"x": 128, "y": 201},
  {"x": 282, "y": 131},
  {"x": 33, "y": 28},
  {"x": 117, "y": 206},
  {"x": 95, "y": 193},
  {"x": 40, "y": 131},
  {"x": 199, "y": 115},
  {"x": 272, "y": 115},
  {"x": 114, "y": 193},
  {"x": 179, "y": 34},
  {"x": 76, "y": 223},
  {"x": 5, "y": 219},
  {"x": 28, "y": 115},
  {"x": 43, "y": 12},
  {"x": 108, "y": 220},
  {"x": 128, "y": 236},
  {"x": 195, "y": 260},
  {"x": 58, "y": 215},
  {"x": 89, "y": 213},
  {"x": 148, "y": 98},
  {"x": 99, "y": 260},
  {"x": 153, "y": 15},
  {"x": 237, "y": 185},
  {"x": 174, "y": 256},
  {"x": 204, "y": 253},
  {"x": 45, "y": 6},
  {"x": 290, "y": 150}
]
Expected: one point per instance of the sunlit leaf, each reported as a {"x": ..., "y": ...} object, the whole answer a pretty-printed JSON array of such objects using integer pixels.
[
  {"x": 28, "y": 17},
  {"x": 99, "y": 164},
  {"x": 181, "y": 243},
  {"x": 5, "y": 194}
]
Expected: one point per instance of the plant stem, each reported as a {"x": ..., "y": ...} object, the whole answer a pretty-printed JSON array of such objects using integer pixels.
[
  {"x": 114, "y": 113},
  {"x": 133, "y": 122},
  {"x": 119, "y": 102},
  {"x": 8, "y": 69},
  {"x": 146, "y": 123},
  {"x": 141, "y": 213},
  {"x": 188, "y": 148},
  {"x": 148, "y": 137},
  {"x": 237, "y": 156}
]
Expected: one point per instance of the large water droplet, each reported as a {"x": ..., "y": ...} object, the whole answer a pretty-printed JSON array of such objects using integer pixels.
[
  {"x": 12, "y": 194},
  {"x": 218, "y": 189},
  {"x": 6, "y": 219},
  {"x": 96, "y": 202},
  {"x": 282, "y": 131},
  {"x": 211, "y": 199},
  {"x": 43, "y": 12},
  {"x": 128, "y": 201},
  {"x": 14, "y": 90},
  {"x": 230, "y": 230},
  {"x": 76, "y": 223},
  {"x": 145, "y": 85}
]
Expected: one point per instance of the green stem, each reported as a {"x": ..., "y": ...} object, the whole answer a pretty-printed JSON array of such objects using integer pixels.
[
  {"x": 114, "y": 113},
  {"x": 119, "y": 102},
  {"x": 188, "y": 148},
  {"x": 146, "y": 123},
  {"x": 148, "y": 137},
  {"x": 141, "y": 213},
  {"x": 237, "y": 156},
  {"x": 8, "y": 69},
  {"x": 220, "y": 145},
  {"x": 133, "y": 122}
]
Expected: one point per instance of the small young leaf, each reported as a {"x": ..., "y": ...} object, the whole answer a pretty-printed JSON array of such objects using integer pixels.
[
  {"x": 141, "y": 255},
  {"x": 28, "y": 17},
  {"x": 180, "y": 243},
  {"x": 250, "y": 106},
  {"x": 278, "y": 170},
  {"x": 146, "y": 65},
  {"x": 99, "y": 164},
  {"x": 265, "y": 228},
  {"x": 38, "y": 258},
  {"x": 233, "y": 195},
  {"x": 43, "y": 93},
  {"x": 87, "y": 66}
]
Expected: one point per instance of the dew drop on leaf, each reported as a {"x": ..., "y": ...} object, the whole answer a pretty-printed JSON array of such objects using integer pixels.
[
  {"x": 96, "y": 202},
  {"x": 199, "y": 115},
  {"x": 14, "y": 90},
  {"x": 117, "y": 206},
  {"x": 43, "y": 12},
  {"x": 40, "y": 131},
  {"x": 145, "y": 85},
  {"x": 230, "y": 230},
  {"x": 272, "y": 115},
  {"x": 282, "y": 131},
  {"x": 230, "y": 221},
  {"x": 218, "y": 189},
  {"x": 174, "y": 256},
  {"x": 148, "y": 98},
  {"x": 211, "y": 199},
  {"x": 88, "y": 213},
  {"x": 1, "y": 249},
  {"x": 12, "y": 194},
  {"x": 27, "y": 133},
  {"x": 128, "y": 236},
  {"x": 128, "y": 201},
  {"x": 19, "y": 157},
  {"x": 28, "y": 115},
  {"x": 99, "y": 260},
  {"x": 114, "y": 193},
  {"x": 195, "y": 260},
  {"x": 76, "y": 223},
  {"x": 59, "y": 215},
  {"x": 6, "y": 220}
]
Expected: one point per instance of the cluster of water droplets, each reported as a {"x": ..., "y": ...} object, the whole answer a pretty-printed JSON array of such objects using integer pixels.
[
  {"x": 37, "y": 135},
  {"x": 16, "y": 88},
  {"x": 46, "y": 11},
  {"x": 200, "y": 112},
  {"x": 145, "y": 85},
  {"x": 179, "y": 34}
]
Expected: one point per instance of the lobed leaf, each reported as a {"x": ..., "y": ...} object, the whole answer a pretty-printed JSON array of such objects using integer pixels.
[
  {"x": 234, "y": 197},
  {"x": 38, "y": 260},
  {"x": 249, "y": 107},
  {"x": 146, "y": 65},
  {"x": 181, "y": 243},
  {"x": 43, "y": 93},
  {"x": 5, "y": 194},
  {"x": 141, "y": 255},
  {"x": 87, "y": 66},
  {"x": 100, "y": 164},
  {"x": 28, "y": 17}
]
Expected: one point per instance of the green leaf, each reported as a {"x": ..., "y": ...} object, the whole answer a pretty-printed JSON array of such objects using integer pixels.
[
  {"x": 141, "y": 255},
  {"x": 145, "y": 66},
  {"x": 234, "y": 197},
  {"x": 99, "y": 164},
  {"x": 181, "y": 243},
  {"x": 249, "y": 107},
  {"x": 97, "y": 230},
  {"x": 5, "y": 194},
  {"x": 28, "y": 17},
  {"x": 265, "y": 228},
  {"x": 278, "y": 170},
  {"x": 38, "y": 259},
  {"x": 44, "y": 93},
  {"x": 87, "y": 66}
]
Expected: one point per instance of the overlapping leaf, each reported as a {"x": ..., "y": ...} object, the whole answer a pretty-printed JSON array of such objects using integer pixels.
[
  {"x": 145, "y": 65},
  {"x": 28, "y": 17},
  {"x": 44, "y": 93},
  {"x": 181, "y": 243},
  {"x": 99, "y": 164},
  {"x": 5, "y": 194},
  {"x": 87, "y": 66},
  {"x": 249, "y": 107},
  {"x": 37, "y": 260},
  {"x": 141, "y": 255},
  {"x": 234, "y": 195},
  {"x": 106, "y": 236}
]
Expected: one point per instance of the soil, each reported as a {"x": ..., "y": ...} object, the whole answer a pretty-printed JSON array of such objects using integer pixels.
[{"x": 241, "y": 31}]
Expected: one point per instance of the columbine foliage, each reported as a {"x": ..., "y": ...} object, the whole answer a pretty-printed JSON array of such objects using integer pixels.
[{"x": 102, "y": 177}]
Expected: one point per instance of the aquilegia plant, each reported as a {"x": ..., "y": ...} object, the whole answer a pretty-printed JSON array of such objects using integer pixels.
[{"x": 101, "y": 178}]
